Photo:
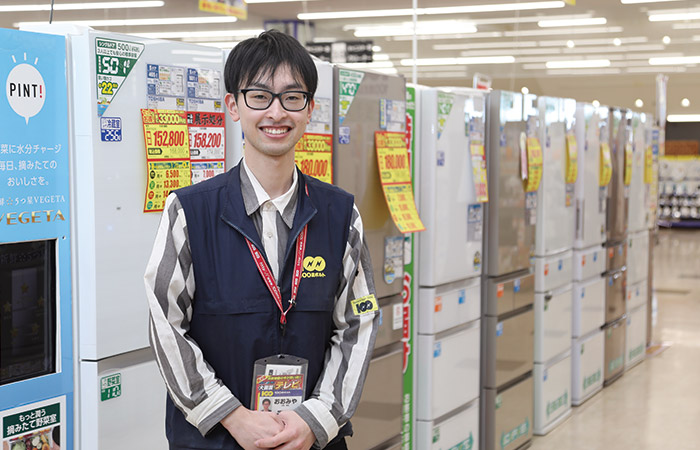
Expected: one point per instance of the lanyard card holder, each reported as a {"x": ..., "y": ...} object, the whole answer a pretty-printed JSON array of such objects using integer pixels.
[{"x": 279, "y": 383}]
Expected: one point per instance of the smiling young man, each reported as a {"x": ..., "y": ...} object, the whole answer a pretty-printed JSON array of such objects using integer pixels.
[{"x": 259, "y": 262}]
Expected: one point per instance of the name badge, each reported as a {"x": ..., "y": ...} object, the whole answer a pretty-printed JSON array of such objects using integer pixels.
[{"x": 279, "y": 383}]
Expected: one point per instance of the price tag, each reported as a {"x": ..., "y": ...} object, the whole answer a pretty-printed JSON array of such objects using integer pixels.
[
  {"x": 479, "y": 172},
  {"x": 605, "y": 164},
  {"x": 534, "y": 164},
  {"x": 649, "y": 165},
  {"x": 313, "y": 155},
  {"x": 392, "y": 160},
  {"x": 571, "y": 159},
  {"x": 628, "y": 163},
  {"x": 167, "y": 155}
]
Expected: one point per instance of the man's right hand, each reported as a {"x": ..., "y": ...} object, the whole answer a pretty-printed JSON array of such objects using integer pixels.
[{"x": 248, "y": 426}]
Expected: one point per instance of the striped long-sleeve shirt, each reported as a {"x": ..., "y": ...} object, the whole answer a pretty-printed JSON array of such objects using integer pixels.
[{"x": 192, "y": 383}]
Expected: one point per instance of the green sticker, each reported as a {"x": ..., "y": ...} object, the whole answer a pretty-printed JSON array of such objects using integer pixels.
[
  {"x": 436, "y": 434},
  {"x": 445, "y": 101},
  {"x": 349, "y": 83},
  {"x": 114, "y": 61},
  {"x": 111, "y": 386}
]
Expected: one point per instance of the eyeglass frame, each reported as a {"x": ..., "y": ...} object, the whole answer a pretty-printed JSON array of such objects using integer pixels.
[{"x": 278, "y": 95}]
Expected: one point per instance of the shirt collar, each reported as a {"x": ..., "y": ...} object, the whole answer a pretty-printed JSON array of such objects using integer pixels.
[{"x": 254, "y": 196}]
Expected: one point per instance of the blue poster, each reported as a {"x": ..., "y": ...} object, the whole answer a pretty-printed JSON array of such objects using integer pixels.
[{"x": 35, "y": 214}]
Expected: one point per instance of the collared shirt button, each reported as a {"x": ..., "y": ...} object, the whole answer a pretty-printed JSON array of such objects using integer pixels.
[{"x": 269, "y": 235}]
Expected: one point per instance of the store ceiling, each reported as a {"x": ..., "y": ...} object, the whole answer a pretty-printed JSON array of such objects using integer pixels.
[{"x": 626, "y": 75}]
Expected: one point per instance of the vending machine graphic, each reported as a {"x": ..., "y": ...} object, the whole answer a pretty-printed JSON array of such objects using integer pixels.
[{"x": 36, "y": 322}]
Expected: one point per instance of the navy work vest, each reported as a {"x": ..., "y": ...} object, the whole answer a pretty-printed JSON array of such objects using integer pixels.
[{"x": 235, "y": 320}]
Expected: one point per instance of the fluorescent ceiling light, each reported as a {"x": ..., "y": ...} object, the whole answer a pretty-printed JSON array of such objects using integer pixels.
[
  {"x": 380, "y": 57},
  {"x": 510, "y": 51},
  {"x": 459, "y": 61},
  {"x": 605, "y": 41},
  {"x": 681, "y": 16},
  {"x": 136, "y": 22},
  {"x": 492, "y": 21},
  {"x": 223, "y": 45},
  {"x": 631, "y": 2},
  {"x": 579, "y": 64},
  {"x": 614, "y": 49},
  {"x": 199, "y": 34},
  {"x": 376, "y": 49},
  {"x": 82, "y": 6},
  {"x": 572, "y": 22},
  {"x": 477, "y": 35},
  {"x": 479, "y": 45},
  {"x": 686, "y": 26},
  {"x": 370, "y": 65},
  {"x": 563, "y": 32},
  {"x": 674, "y": 61},
  {"x": 276, "y": 1},
  {"x": 585, "y": 72},
  {"x": 655, "y": 69},
  {"x": 423, "y": 29},
  {"x": 564, "y": 58},
  {"x": 430, "y": 11},
  {"x": 683, "y": 118},
  {"x": 387, "y": 70}
]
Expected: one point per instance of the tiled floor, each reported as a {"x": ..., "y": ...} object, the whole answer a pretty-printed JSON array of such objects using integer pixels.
[{"x": 655, "y": 405}]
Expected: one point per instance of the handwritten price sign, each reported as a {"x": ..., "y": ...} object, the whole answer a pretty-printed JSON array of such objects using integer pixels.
[{"x": 314, "y": 156}]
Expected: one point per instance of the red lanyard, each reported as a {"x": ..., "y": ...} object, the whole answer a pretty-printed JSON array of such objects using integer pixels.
[{"x": 269, "y": 279}]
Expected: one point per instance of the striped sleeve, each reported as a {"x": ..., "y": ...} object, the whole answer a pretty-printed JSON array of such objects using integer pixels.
[
  {"x": 169, "y": 279},
  {"x": 339, "y": 388}
]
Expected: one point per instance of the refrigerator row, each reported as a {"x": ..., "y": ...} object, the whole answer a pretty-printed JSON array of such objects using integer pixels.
[{"x": 524, "y": 294}]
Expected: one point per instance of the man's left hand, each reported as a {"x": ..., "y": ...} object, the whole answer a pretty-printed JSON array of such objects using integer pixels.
[{"x": 296, "y": 434}]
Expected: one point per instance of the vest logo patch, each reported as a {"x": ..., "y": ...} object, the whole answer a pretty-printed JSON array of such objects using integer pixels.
[
  {"x": 314, "y": 267},
  {"x": 364, "y": 305}
]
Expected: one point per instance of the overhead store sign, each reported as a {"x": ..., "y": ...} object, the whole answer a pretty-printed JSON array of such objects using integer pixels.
[
  {"x": 342, "y": 52},
  {"x": 235, "y": 8}
]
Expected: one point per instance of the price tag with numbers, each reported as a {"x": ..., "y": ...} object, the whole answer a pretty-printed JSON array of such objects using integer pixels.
[{"x": 167, "y": 154}]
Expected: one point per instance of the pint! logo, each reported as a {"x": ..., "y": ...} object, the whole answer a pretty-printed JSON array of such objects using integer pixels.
[
  {"x": 314, "y": 267},
  {"x": 25, "y": 89}
]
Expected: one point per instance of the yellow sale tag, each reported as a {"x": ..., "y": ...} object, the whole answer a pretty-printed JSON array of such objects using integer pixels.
[
  {"x": 395, "y": 175},
  {"x": 605, "y": 164},
  {"x": 571, "y": 159},
  {"x": 364, "y": 305},
  {"x": 314, "y": 156},
  {"x": 628, "y": 163},
  {"x": 649, "y": 166},
  {"x": 534, "y": 164},
  {"x": 479, "y": 171},
  {"x": 168, "y": 167}
]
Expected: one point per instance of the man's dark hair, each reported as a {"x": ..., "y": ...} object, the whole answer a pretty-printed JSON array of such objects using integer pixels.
[
  {"x": 263, "y": 55},
  {"x": 267, "y": 400}
]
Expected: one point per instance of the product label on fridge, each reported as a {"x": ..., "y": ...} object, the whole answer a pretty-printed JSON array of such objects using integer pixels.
[
  {"x": 395, "y": 174},
  {"x": 40, "y": 425},
  {"x": 628, "y": 163},
  {"x": 531, "y": 208},
  {"x": 166, "y": 87},
  {"x": 204, "y": 90},
  {"x": 534, "y": 164},
  {"x": 115, "y": 59},
  {"x": 167, "y": 153},
  {"x": 321, "y": 117},
  {"x": 392, "y": 115},
  {"x": 445, "y": 101},
  {"x": 474, "y": 223},
  {"x": 110, "y": 129},
  {"x": 393, "y": 259},
  {"x": 605, "y": 164},
  {"x": 349, "y": 82},
  {"x": 649, "y": 165},
  {"x": 479, "y": 172},
  {"x": 313, "y": 155}
]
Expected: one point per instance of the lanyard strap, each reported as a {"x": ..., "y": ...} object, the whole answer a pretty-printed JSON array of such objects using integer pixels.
[{"x": 269, "y": 279}]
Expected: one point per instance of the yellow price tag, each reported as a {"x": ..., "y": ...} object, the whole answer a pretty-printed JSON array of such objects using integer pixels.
[
  {"x": 605, "y": 165},
  {"x": 628, "y": 163},
  {"x": 479, "y": 172},
  {"x": 534, "y": 164},
  {"x": 649, "y": 166},
  {"x": 571, "y": 159},
  {"x": 395, "y": 175},
  {"x": 314, "y": 156}
]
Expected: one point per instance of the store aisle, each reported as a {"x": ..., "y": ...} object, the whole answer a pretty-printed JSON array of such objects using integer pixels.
[{"x": 655, "y": 405}]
